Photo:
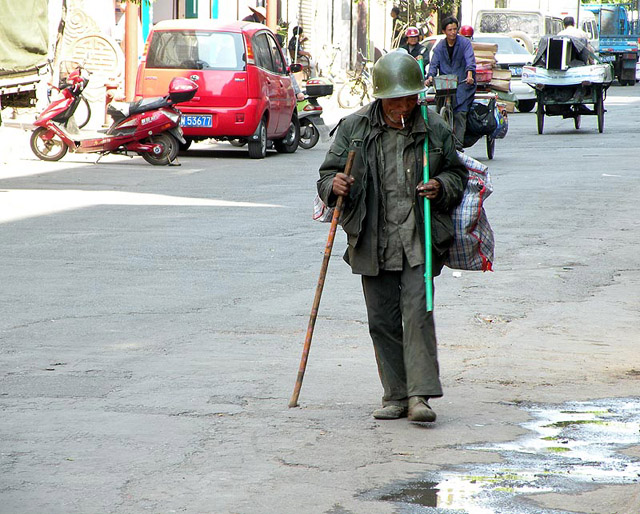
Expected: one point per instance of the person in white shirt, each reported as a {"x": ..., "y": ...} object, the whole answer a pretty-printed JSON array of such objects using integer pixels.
[{"x": 570, "y": 29}]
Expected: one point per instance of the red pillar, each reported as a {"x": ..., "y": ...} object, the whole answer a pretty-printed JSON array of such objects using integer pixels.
[
  {"x": 272, "y": 14},
  {"x": 132, "y": 14}
]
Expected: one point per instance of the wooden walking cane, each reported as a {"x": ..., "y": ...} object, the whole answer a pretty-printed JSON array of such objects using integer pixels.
[{"x": 316, "y": 301}]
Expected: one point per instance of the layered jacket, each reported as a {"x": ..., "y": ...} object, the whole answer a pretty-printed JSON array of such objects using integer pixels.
[
  {"x": 416, "y": 51},
  {"x": 362, "y": 132}
]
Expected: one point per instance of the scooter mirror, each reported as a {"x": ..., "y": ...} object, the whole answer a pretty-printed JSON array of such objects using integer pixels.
[{"x": 295, "y": 67}]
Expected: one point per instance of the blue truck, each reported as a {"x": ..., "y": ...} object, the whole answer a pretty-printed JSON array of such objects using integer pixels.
[{"x": 619, "y": 37}]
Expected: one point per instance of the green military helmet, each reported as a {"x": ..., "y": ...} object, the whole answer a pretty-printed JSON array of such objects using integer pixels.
[{"x": 397, "y": 74}]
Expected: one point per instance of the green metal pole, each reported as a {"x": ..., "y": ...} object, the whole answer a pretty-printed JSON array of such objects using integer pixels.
[{"x": 428, "y": 259}]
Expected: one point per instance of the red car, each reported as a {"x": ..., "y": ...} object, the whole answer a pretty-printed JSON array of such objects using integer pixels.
[{"x": 244, "y": 88}]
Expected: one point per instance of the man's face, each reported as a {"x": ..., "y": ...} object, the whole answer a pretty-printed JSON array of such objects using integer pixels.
[
  {"x": 412, "y": 40},
  {"x": 399, "y": 109},
  {"x": 451, "y": 31}
]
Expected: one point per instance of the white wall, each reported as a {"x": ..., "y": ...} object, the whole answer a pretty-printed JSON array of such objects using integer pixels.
[{"x": 162, "y": 10}]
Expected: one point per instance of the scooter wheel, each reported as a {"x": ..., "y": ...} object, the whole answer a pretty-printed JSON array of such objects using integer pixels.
[
  {"x": 47, "y": 145},
  {"x": 309, "y": 135},
  {"x": 169, "y": 151}
]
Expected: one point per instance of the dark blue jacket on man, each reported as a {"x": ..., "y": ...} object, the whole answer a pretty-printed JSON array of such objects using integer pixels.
[{"x": 461, "y": 61}]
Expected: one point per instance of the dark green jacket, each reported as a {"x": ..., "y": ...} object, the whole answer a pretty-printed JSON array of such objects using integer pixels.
[{"x": 359, "y": 219}]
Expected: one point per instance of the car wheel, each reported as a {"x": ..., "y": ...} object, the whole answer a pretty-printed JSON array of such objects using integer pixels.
[
  {"x": 289, "y": 143},
  {"x": 526, "y": 105},
  {"x": 258, "y": 147}
]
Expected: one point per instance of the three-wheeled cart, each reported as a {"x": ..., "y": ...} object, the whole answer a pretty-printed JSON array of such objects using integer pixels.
[
  {"x": 569, "y": 81},
  {"x": 571, "y": 102}
]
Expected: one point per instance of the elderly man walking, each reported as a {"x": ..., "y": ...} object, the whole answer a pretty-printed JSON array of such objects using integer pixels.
[{"x": 384, "y": 222}]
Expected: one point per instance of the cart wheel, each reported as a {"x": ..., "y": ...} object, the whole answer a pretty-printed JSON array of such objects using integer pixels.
[
  {"x": 540, "y": 114},
  {"x": 491, "y": 146},
  {"x": 576, "y": 121},
  {"x": 600, "y": 112}
]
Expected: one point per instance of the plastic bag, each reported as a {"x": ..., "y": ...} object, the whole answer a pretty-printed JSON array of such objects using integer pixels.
[
  {"x": 481, "y": 120},
  {"x": 321, "y": 212},
  {"x": 473, "y": 240},
  {"x": 502, "y": 124}
]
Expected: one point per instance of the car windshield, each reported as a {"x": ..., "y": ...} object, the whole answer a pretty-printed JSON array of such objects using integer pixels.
[
  {"x": 506, "y": 45},
  {"x": 529, "y": 23},
  {"x": 196, "y": 50}
]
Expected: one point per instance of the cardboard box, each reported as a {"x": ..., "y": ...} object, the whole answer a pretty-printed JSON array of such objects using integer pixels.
[{"x": 499, "y": 84}]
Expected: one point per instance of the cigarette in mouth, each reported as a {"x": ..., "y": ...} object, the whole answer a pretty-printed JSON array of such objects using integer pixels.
[{"x": 402, "y": 120}]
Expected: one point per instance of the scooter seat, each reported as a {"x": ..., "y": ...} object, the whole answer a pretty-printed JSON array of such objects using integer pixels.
[{"x": 121, "y": 110}]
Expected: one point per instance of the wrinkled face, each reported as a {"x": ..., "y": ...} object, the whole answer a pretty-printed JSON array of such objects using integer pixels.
[
  {"x": 397, "y": 109},
  {"x": 412, "y": 40},
  {"x": 451, "y": 31}
]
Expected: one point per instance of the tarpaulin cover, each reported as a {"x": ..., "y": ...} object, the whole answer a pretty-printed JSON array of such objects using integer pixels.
[
  {"x": 24, "y": 35},
  {"x": 580, "y": 51}
]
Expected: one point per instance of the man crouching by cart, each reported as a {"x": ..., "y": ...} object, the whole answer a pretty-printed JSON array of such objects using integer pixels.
[{"x": 384, "y": 221}]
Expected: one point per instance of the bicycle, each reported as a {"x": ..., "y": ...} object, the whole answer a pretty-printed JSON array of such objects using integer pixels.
[
  {"x": 329, "y": 64},
  {"x": 445, "y": 87},
  {"x": 356, "y": 89}
]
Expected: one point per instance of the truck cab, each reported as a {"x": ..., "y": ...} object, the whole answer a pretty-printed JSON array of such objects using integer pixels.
[{"x": 619, "y": 38}]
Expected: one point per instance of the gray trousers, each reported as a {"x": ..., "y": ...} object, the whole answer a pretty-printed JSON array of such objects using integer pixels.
[
  {"x": 403, "y": 334},
  {"x": 459, "y": 127}
]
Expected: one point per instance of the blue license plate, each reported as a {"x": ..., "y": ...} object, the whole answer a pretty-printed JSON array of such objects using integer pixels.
[
  {"x": 516, "y": 71},
  {"x": 195, "y": 120},
  {"x": 607, "y": 58}
]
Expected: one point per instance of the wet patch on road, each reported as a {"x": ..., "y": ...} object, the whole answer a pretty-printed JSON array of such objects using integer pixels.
[{"x": 568, "y": 448}]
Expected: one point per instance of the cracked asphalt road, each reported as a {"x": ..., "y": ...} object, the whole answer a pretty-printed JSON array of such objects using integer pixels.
[{"x": 149, "y": 345}]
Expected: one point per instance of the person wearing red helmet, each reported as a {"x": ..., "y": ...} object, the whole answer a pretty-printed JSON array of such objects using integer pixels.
[
  {"x": 415, "y": 49},
  {"x": 466, "y": 31}
]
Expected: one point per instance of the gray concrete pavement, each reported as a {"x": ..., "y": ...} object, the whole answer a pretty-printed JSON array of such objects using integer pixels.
[{"x": 152, "y": 320}]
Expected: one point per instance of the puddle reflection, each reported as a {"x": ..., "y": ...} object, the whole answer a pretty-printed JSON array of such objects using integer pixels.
[{"x": 566, "y": 448}]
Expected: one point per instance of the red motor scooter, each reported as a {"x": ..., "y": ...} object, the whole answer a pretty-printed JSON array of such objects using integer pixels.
[{"x": 150, "y": 127}]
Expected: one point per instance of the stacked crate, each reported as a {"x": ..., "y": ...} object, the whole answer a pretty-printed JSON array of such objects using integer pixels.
[{"x": 489, "y": 76}]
